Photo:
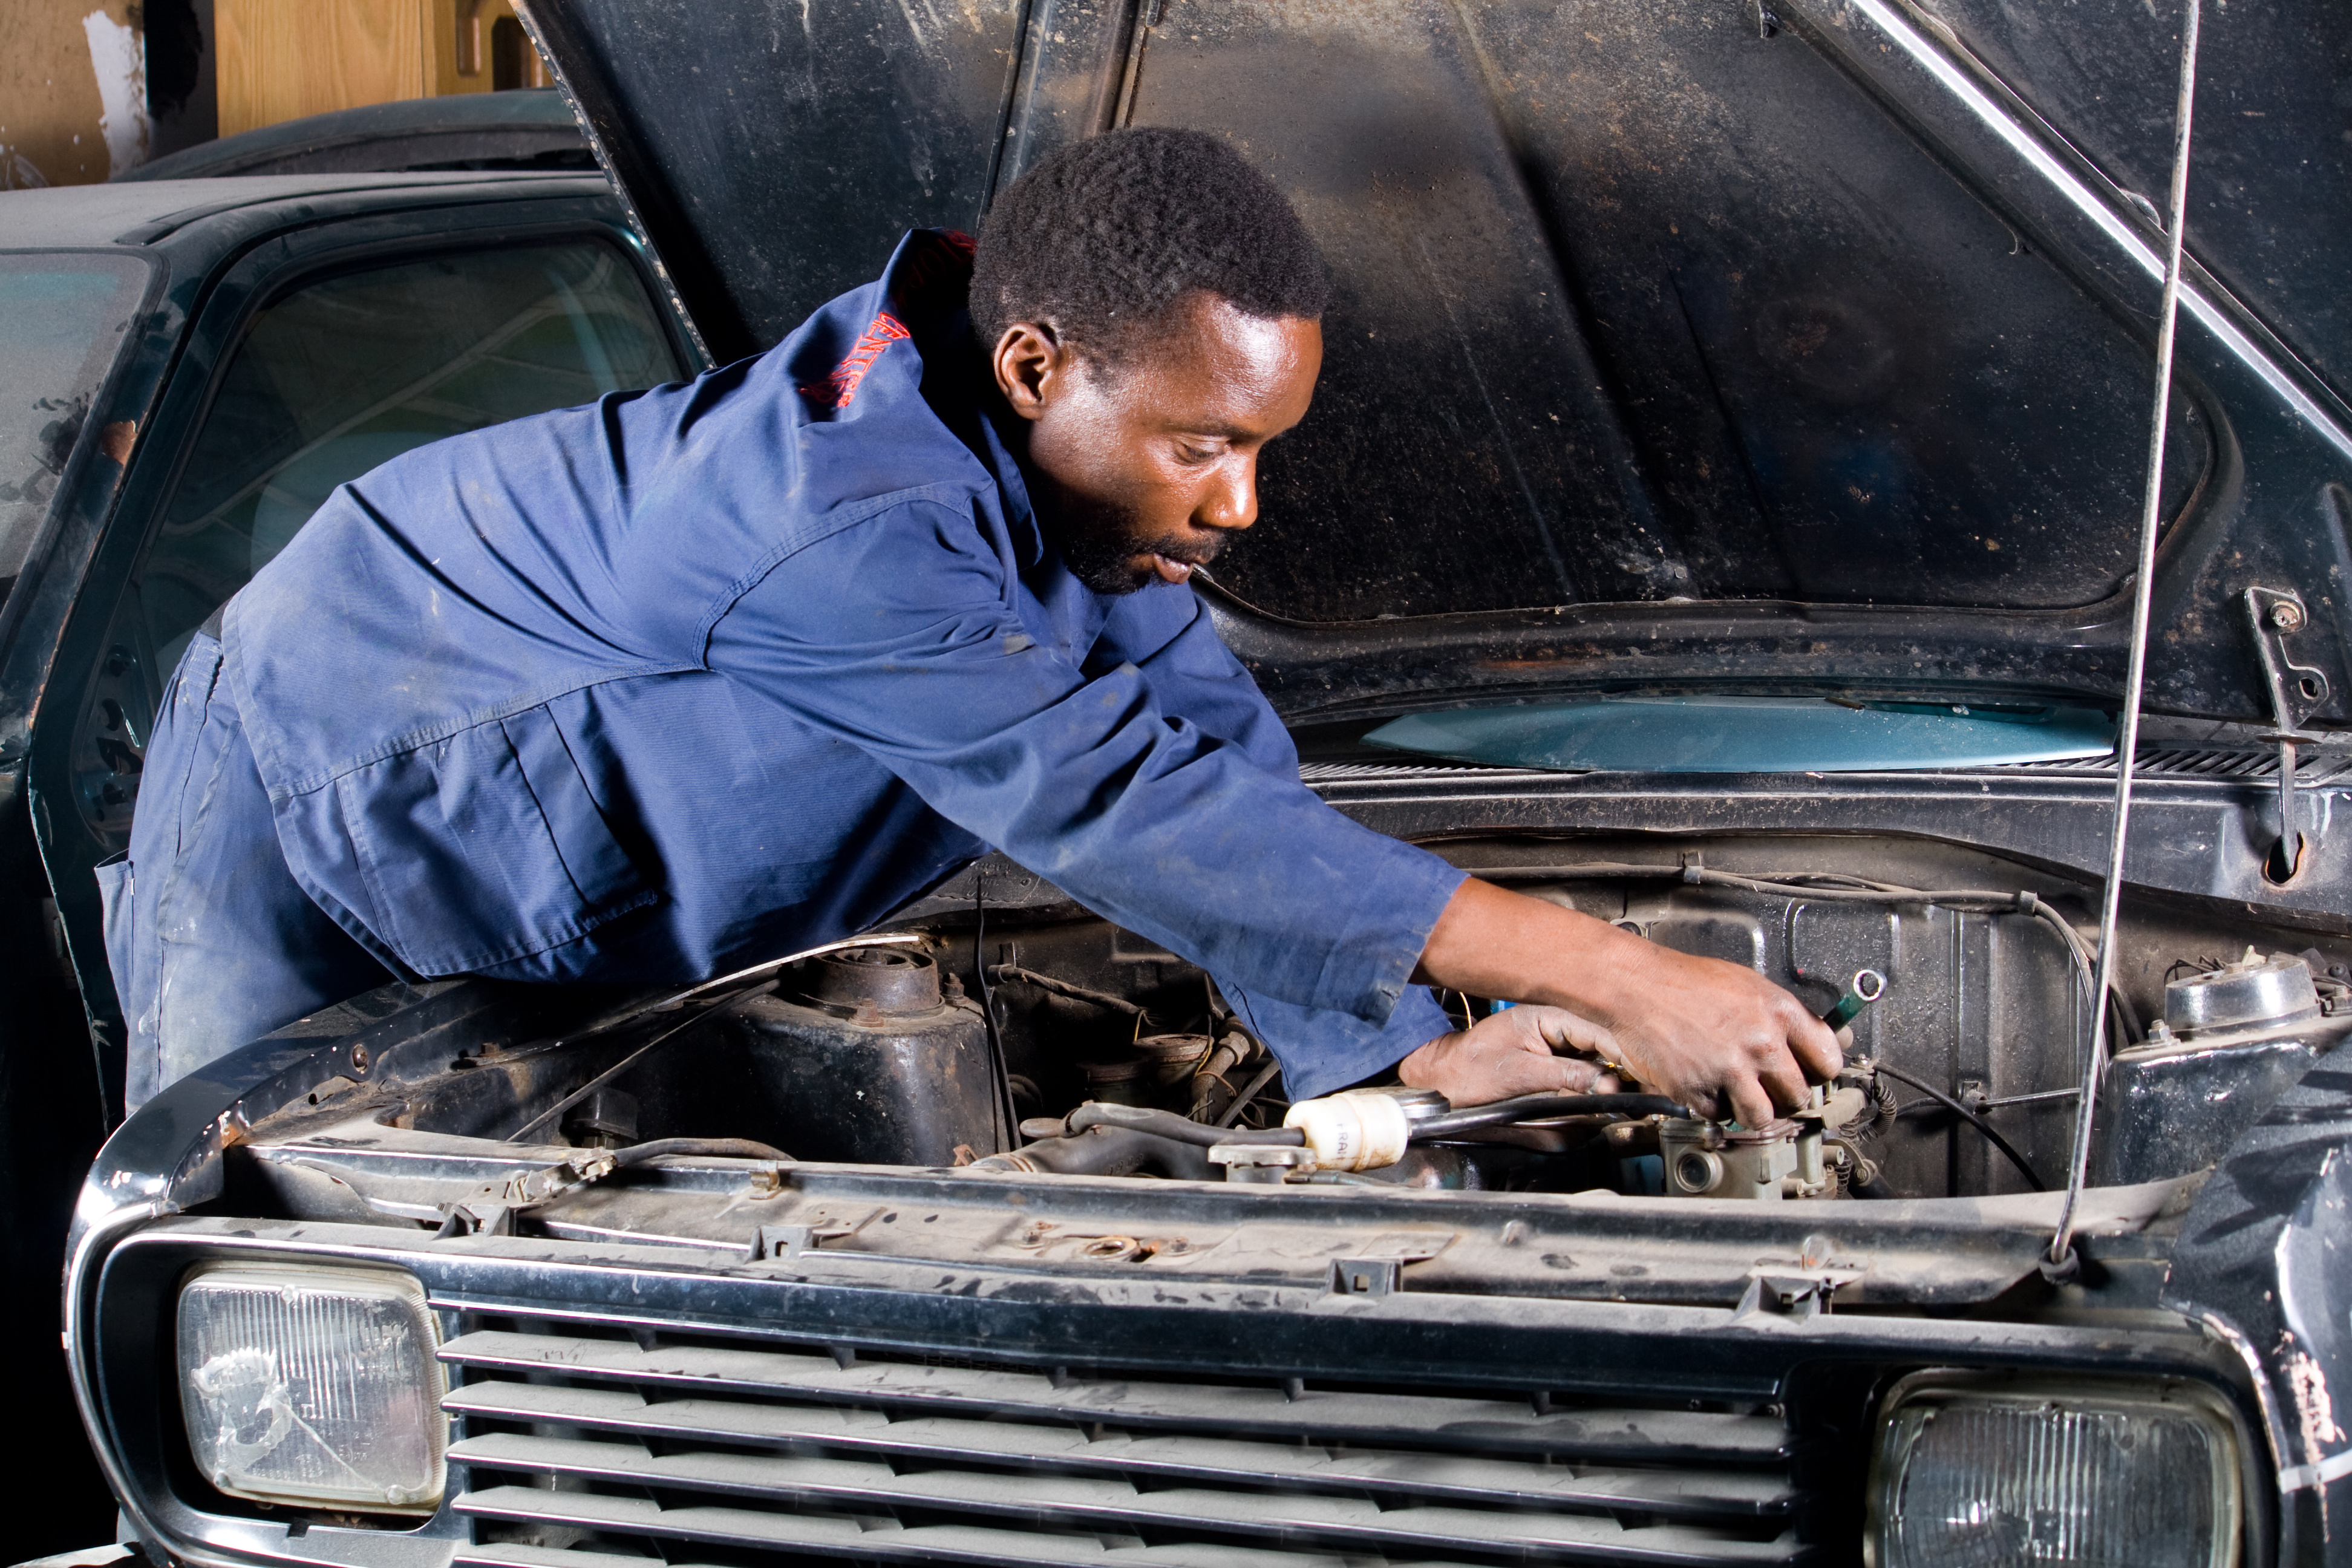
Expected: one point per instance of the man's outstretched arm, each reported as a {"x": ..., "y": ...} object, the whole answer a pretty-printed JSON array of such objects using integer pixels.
[{"x": 1709, "y": 1034}]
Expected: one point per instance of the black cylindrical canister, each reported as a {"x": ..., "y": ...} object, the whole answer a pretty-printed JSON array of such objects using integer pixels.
[{"x": 868, "y": 1064}]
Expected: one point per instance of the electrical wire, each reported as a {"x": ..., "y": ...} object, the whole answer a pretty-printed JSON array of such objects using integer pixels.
[
  {"x": 1242, "y": 1100},
  {"x": 1992, "y": 1135},
  {"x": 1000, "y": 1068}
]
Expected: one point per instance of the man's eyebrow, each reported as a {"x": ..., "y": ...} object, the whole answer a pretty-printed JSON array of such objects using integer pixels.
[{"x": 1215, "y": 432}]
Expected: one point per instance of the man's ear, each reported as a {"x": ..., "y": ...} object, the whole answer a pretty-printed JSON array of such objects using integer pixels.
[{"x": 1028, "y": 359}]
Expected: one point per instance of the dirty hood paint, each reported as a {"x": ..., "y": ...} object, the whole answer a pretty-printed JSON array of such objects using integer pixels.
[{"x": 1804, "y": 346}]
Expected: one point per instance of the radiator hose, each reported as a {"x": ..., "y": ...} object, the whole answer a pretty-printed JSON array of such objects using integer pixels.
[{"x": 1106, "y": 1151}]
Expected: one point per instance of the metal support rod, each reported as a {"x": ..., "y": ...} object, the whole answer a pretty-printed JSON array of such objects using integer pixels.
[
  {"x": 678, "y": 999},
  {"x": 2062, "y": 1261},
  {"x": 2290, "y": 817}
]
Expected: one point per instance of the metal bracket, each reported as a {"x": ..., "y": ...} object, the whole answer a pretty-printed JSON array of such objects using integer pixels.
[
  {"x": 792, "y": 1240},
  {"x": 1366, "y": 1275},
  {"x": 2296, "y": 691},
  {"x": 1802, "y": 1286}
]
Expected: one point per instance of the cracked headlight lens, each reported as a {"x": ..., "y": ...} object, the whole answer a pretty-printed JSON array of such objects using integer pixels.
[
  {"x": 1985, "y": 1473},
  {"x": 312, "y": 1385}
]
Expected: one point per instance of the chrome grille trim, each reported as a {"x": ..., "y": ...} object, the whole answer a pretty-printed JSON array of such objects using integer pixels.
[
  {"x": 794, "y": 1449},
  {"x": 1171, "y": 1458}
]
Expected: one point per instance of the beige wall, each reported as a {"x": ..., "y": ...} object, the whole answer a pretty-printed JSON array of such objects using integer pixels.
[
  {"x": 73, "y": 99},
  {"x": 283, "y": 58}
]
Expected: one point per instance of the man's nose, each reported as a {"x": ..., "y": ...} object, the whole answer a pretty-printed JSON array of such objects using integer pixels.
[{"x": 1231, "y": 502}]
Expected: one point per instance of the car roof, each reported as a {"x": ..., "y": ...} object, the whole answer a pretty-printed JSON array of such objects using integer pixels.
[
  {"x": 139, "y": 211},
  {"x": 527, "y": 129}
]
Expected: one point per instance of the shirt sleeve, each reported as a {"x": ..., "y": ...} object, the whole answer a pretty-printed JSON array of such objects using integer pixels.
[
  {"x": 900, "y": 635},
  {"x": 1323, "y": 1051},
  {"x": 1196, "y": 674}
]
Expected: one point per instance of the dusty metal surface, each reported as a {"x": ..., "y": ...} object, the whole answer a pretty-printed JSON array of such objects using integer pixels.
[{"x": 840, "y": 1219}]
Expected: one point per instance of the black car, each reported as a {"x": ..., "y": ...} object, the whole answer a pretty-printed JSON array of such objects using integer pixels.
[
  {"x": 210, "y": 358},
  {"x": 1718, "y": 515}
]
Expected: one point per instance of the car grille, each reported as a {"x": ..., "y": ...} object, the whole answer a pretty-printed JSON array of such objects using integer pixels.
[{"x": 579, "y": 1451}]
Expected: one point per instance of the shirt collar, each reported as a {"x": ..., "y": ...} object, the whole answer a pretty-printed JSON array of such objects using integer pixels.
[{"x": 999, "y": 434}]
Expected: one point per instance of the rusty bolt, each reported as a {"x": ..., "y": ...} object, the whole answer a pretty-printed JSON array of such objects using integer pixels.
[
  {"x": 2287, "y": 616},
  {"x": 359, "y": 1058}
]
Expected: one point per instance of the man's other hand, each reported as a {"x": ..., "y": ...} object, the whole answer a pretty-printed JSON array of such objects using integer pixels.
[
  {"x": 1717, "y": 1038},
  {"x": 1512, "y": 1053}
]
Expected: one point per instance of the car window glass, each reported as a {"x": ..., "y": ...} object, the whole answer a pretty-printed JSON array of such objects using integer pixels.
[
  {"x": 351, "y": 372},
  {"x": 325, "y": 384},
  {"x": 62, "y": 318}
]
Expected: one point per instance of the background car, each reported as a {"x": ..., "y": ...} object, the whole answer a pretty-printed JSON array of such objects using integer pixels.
[
  {"x": 190, "y": 368},
  {"x": 522, "y": 129}
]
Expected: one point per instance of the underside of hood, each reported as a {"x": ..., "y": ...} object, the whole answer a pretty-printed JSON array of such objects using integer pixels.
[{"x": 1778, "y": 347}]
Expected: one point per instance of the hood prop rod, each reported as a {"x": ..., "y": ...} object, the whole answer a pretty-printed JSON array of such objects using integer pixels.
[{"x": 2062, "y": 1265}]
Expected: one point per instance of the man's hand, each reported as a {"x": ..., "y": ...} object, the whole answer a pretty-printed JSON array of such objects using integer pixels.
[
  {"x": 1510, "y": 1053},
  {"x": 1719, "y": 1038}
]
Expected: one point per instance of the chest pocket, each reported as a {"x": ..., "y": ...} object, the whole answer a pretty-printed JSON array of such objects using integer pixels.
[{"x": 485, "y": 847}]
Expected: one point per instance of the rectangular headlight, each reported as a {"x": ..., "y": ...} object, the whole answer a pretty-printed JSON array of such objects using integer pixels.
[
  {"x": 1987, "y": 1472},
  {"x": 312, "y": 1385}
]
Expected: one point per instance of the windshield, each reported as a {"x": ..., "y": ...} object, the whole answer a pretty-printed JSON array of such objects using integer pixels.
[{"x": 63, "y": 315}]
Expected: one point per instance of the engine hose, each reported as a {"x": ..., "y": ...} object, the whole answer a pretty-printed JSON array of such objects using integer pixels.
[
  {"x": 1182, "y": 1129},
  {"x": 1535, "y": 1106},
  {"x": 709, "y": 1148},
  {"x": 1104, "y": 1151}
]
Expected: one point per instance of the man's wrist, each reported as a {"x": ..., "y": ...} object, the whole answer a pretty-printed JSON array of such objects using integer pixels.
[{"x": 1494, "y": 943}]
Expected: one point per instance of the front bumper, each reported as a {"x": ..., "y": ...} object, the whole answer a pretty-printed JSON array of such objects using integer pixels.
[{"x": 1686, "y": 1434}]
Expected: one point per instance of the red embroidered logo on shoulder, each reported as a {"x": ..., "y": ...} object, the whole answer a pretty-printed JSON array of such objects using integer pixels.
[
  {"x": 835, "y": 390},
  {"x": 938, "y": 268}
]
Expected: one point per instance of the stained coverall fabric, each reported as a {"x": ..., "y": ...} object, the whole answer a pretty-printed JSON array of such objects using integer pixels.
[
  {"x": 216, "y": 893},
  {"x": 689, "y": 678}
]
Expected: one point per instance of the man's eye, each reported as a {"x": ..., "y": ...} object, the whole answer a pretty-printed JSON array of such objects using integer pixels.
[{"x": 1187, "y": 452}]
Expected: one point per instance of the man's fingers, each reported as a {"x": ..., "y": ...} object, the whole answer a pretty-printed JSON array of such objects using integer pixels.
[
  {"x": 1579, "y": 1077},
  {"x": 1751, "y": 1107},
  {"x": 1559, "y": 1029},
  {"x": 1784, "y": 1082},
  {"x": 1817, "y": 1050}
]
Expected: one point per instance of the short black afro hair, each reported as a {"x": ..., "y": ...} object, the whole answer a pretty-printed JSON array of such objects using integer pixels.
[{"x": 1103, "y": 237}]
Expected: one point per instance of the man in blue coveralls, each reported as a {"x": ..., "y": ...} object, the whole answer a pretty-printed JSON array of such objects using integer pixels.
[{"x": 653, "y": 690}]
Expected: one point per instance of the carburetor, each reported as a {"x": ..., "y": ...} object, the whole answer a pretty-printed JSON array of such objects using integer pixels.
[
  {"x": 1724, "y": 1159},
  {"x": 1782, "y": 1160}
]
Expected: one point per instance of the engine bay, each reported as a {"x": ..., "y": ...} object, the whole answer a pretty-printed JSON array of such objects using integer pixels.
[{"x": 999, "y": 1027}]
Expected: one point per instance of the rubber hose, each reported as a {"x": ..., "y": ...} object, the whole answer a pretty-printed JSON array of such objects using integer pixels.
[
  {"x": 1182, "y": 1129},
  {"x": 1103, "y": 1151},
  {"x": 1535, "y": 1106},
  {"x": 710, "y": 1148}
]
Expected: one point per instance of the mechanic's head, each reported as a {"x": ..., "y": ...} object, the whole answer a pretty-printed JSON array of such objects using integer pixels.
[{"x": 1150, "y": 304}]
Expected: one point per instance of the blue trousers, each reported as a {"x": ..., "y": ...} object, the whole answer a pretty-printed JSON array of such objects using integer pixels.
[{"x": 212, "y": 942}]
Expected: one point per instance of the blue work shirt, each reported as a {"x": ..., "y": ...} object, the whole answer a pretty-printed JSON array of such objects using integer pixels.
[{"x": 693, "y": 677}]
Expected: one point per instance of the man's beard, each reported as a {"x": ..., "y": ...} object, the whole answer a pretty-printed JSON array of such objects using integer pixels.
[{"x": 1102, "y": 547}]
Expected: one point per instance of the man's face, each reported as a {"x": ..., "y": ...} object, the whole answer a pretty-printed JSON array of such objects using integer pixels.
[{"x": 1149, "y": 466}]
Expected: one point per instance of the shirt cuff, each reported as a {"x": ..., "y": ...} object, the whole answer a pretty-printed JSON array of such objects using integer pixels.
[{"x": 1322, "y": 1051}]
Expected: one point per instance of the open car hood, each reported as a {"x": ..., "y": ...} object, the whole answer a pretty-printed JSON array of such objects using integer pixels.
[{"x": 1796, "y": 347}]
